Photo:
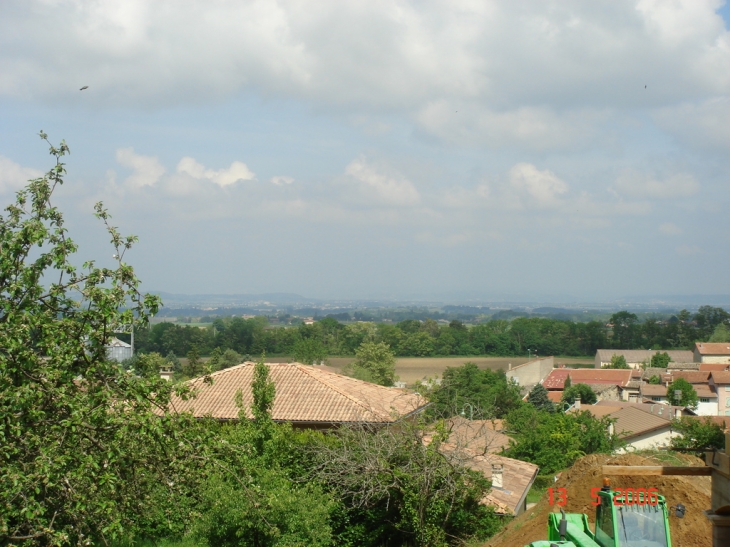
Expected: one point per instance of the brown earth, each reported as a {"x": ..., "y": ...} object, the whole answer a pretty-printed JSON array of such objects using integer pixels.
[{"x": 693, "y": 530}]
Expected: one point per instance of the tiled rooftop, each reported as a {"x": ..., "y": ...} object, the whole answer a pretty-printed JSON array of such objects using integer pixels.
[
  {"x": 712, "y": 348},
  {"x": 477, "y": 435},
  {"x": 556, "y": 378},
  {"x": 304, "y": 393}
]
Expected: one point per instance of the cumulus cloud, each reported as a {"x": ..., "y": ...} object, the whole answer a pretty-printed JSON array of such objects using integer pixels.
[
  {"x": 543, "y": 187},
  {"x": 146, "y": 170},
  {"x": 544, "y": 72},
  {"x": 640, "y": 185},
  {"x": 14, "y": 176},
  {"x": 222, "y": 177},
  {"x": 389, "y": 189},
  {"x": 281, "y": 181}
]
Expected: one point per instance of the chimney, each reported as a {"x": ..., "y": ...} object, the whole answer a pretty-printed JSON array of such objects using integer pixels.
[
  {"x": 497, "y": 475},
  {"x": 577, "y": 403},
  {"x": 678, "y": 413},
  {"x": 611, "y": 429}
]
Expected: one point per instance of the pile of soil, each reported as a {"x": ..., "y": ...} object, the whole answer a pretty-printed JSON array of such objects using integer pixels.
[{"x": 694, "y": 530}]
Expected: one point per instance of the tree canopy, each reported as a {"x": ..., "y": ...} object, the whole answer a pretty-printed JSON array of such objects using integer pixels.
[
  {"x": 374, "y": 362},
  {"x": 688, "y": 396},
  {"x": 583, "y": 391}
]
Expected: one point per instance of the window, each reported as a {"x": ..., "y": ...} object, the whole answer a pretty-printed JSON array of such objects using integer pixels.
[
  {"x": 727, "y": 387},
  {"x": 656, "y": 398},
  {"x": 704, "y": 399},
  {"x": 727, "y": 413},
  {"x": 727, "y": 402}
]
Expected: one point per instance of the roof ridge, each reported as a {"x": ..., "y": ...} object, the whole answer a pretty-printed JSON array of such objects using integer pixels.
[
  {"x": 219, "y": 372},
  {"x": 302, "y": 367}
]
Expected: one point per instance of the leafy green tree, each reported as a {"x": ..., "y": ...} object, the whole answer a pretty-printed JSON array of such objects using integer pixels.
[
  {"x": 660, "y": 360},
  {"x": 708, "y": 319},
  {"x": 80, "y": 441},
  {"x": 583, "y": 391},
  {"x": 538, "y": 398},
  {"x": 720, "y": 334},
  {"x": 174, "y": 362},
  {"x": 618, "y": 361},
  {"x": 374, "y": 362},
  {"x": 489, "y": 392},
  {"x": 194, "y": 366},
  {"x": 568, "y": 382},
  {"x": 555, "y": 440},
  {"x": 688, "y": 396},
  {"x": 309, "y": 351},
  {"x": 418, "y": 344},
  {"x": 624, "y": 329},
  {"x": 698, "y": 434},
  {"x": 655, "y": 380}
]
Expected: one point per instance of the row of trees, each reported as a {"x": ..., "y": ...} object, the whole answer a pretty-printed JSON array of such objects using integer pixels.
[{"x": 521, "y": 336}]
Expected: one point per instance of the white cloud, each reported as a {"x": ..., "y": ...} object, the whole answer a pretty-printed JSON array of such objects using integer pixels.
[
  {"x": 281, "y": 181},
  {"x": 640, "y": 185},
  {"x": 670, "y": 228},
  {"x": 543, "y": 187},
  {"x": 14, "y": 176},
  {"x": 389, "y": 189},
  {"x": 702, "y": 124},
  {"x": 223, "y": 177},
  {"x": 146, "y": 169}
]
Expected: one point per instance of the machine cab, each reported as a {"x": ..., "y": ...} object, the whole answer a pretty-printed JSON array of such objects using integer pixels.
[{"x": 625, "y": 522}]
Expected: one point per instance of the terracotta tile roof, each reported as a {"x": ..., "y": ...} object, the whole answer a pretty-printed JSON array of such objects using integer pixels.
[
  {"x": 632, "y": 421},
  {"x": 598, "y": 411},
  {"x": 721, "y": 377},
  {"x": 704, "y": 390},
  {"x": 652, "y": 407},
  {"x": 692, "y": 376},
  {"x": 304, "y": 393},
  {"x": 556, "y": 378},
  {"x": 653, "y": 390},
  {"x": 714, "y": 367},
  {"x": 712, "y": 348},
  {"x": 517, "y": 477},
  {"x": 477, "y": 435},
  {"x": 555, "y": 396}
]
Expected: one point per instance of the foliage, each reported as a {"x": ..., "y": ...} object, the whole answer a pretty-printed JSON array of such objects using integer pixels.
[
  {"x": 555, "y": 440},
  {"x": 538, "y": 397},
  {"x": 374, "y": 362},
  {"x": 660, "y": 360},
  {"x": 568, "y": 382},
  {"x": 689, "y": 395},
  {"x": 618, "y": 361},
  {"x": 309, "y": 351},
  {"x": 194, "y": 366},
  {"x": 655, "y": 380},
  {"x": 583, "y": 391},
  {"x": 490, "y": 393},
  {"x": 399, "y": 490},
  {"x": 78, "y": 434},
  {"x": 698, "y": 434},
  {"x": 720, "y": 334}
]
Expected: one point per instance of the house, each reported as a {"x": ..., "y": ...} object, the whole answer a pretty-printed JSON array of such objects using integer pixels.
[
  {"x": 638, "y": 427},
  {"x": 306, "y": 396},
  {"x": 720, "y": 381},
  {"x": 531, "y": 373},
  {"x": 555, "y": 381},
  {"x": 636, "y": 357},
  {"x": 712, "y": 367},
  {"x": 712, "y": 352},
  {"x": 477, "y": 435}
]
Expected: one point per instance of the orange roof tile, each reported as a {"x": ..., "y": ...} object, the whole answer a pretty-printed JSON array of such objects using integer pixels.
[
  {"x": 711, "y": 367},
  {"x": 556, "y": 378},
  {"x": 712, "y": 348},
  {"x": 304, "y": 393},
  {"x": 692, "y": 376},
  {"x": 477, "y": 435},
  {"x": 721, "y": 377},
  {"x": 555, "y": 396}
]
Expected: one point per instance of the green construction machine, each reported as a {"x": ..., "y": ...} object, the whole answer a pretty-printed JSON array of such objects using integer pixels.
[{"x": 623, "y": 519}]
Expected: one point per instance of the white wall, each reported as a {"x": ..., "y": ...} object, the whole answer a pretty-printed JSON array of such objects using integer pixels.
[
  {"x": 652, "y": 439},
  {"x": 532, "y": 372},
  {"x": 707, "y": 409}
]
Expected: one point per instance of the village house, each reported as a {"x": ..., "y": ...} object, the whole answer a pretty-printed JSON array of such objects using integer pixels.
[
  {"x": 720, "y": 381},
  {"x": 711, "y": 352},
  {"x": 306, "y": 396}
]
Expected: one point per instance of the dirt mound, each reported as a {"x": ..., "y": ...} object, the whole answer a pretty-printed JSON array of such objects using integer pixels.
[{"x": 693, "y": 530}]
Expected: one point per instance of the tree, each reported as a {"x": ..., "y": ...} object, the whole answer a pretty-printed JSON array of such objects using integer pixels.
[
  {"x": 568, "y": 382},
  {"x": 79, "y": 438},
  {"x": 194, "y": 367},
  {"x": 720, "y": 334},
  {"x": 688, "y": 397},
  {"x": 618, "y": 361},
  {"x": 538, "y": 398},
  {"x": 655, "y": 380},
  {"x": 660, "y": 360},
  {"x": 309, "y": 351},
  {"x": 624, "y": 329},
  {"x": 698, "y": 434},
  {"x": 374, "y": 362},
  {"x": 583, "y": 391}
]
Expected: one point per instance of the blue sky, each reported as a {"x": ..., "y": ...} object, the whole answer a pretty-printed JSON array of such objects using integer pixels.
[{"x": 562, "y": 150}]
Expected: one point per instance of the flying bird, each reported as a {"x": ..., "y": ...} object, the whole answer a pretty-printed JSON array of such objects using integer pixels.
[{"x": 85, "y": 87}]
